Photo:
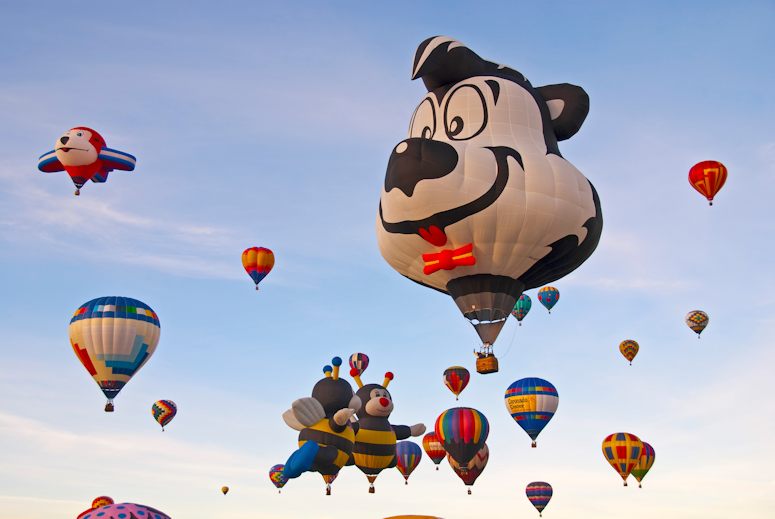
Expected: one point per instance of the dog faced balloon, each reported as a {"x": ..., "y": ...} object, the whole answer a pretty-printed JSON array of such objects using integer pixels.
[{"x": 478, "y": 202}]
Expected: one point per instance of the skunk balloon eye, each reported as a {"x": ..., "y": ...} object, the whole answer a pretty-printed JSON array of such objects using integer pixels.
[
  {"x": 465, "y": 114},
  {"x": 424, "y": 120}
]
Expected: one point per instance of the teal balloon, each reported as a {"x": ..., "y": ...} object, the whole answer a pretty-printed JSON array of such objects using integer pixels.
[{"x": 522, "y": 307}]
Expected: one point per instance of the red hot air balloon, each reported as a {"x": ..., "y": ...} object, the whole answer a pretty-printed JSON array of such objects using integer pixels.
[
  {"x": 456, "y": 379},
  {"x": 708, "y": 177},
  {"x": 433, "y": 448}
]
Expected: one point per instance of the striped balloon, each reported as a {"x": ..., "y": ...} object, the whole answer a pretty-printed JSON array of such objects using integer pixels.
[
  {"x": 470, "y": 472},
  {"x": 456, "y": 379},
  {"x": 629, "y": 349},
  {"x": 697, "y": 320},
  {"x": 277, "y": 477},
  {"x": 433, "y": 448},
  {"x": 622, "y": 450},
  {"x": 258, "y": 262},
  {"x": 408, "y": 456},
  {"x": 462, "y": 432},
  {"x": 164, "y": 411},
  {"x": 359, "y": 362},
  {"x": 548, "y": 296},
  {"x": 532, "y": 402},
  {"x": 539, "y": 493},
  {"x": 114, "y": 337},
  {"x": 644, "y": 463},
  {"x": 522, "y": 307}
]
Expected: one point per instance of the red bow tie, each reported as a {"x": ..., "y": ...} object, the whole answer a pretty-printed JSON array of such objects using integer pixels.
[{"x": 448, "y": 259}]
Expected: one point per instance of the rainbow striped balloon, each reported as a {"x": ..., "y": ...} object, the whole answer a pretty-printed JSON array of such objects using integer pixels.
[
  {"x": 258, "y": 262},
  {"x": 462, "y": 431},
  {"x": 276, "y": 476},
  {"x": 408, "y": 456},
  {"x": 622, "y": 450},
  {"x": 644, "y": 463},
  {"x": 164, "y": 411},
  {"x": 539, "y": 493},
  {"x": 532, "y": 402}
]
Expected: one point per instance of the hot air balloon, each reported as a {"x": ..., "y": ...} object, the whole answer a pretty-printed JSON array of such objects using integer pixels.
[
  {"x": 456, "y": 379},
  {"x": 708, "y": 177},
  {"x": 123, "y": 511},
  {"x": 644, "y": 463},
  {"x": 96, "y": 503},
  {"x": 433, "y": 448},
  {"x": 522, "y": 307},
  {"x": 258, "y": 262},
  {"x": 622, "y": 450},
  {"x": 532, "y": 402},
  {"x": 276, "y": 476},
  {"x": 629, "y": 349},
  {"x": 697, "y": 320},
  {"x": 478, "y": 202},
  {"x": 470, "y": 472},
  {"x": 358, "y": 363},
  {"x": 408, "y": 456},
  {"x": 329, "y": 479},
  {"x": 462, "y": 432},
  {"x": 114, "y": 337},
  {"x": 548, "y": 296},
  {"x": 539, "y": 493},
  {"x": 164, "y": 411},
  {"x": 224, "y": 490},
  {"x": 82, "y": 152}
]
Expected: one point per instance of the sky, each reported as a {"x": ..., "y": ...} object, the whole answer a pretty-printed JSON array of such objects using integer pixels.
[{"x": 270, "y": 124}]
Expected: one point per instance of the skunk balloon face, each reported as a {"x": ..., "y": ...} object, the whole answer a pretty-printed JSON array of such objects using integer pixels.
[
  {"x": 79, "y": 147},
  {"x": 478, "y": 202}
]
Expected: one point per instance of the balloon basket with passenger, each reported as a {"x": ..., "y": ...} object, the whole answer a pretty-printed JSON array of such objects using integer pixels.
[{"x": 486, "y": 362}]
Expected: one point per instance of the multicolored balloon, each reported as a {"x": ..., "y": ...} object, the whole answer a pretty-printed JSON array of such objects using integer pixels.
[
  {"x": 629, "y": 349},
  {"x": 462, "y": 432},
  {"x": 539, "y": 493},
  {"x": 164, "y": 411},
  {"x": 276, "y": 476},
  {"x": 114, "y": 337},
  {"x": 359, "y": 362},
  {"x": 622, "y": 451},
  {"x": 708, "y": 177},
  {"x": 224, "y": 490},
  {"x": 433, "y": 448},
  {"x": 522, "y": 307},
  {"x": 408, "y": 456},
  {"x": 697, "y": 320},
  {"x": 258, "y": 262},
  {"x": 82, "y": 152},
  {"x": 532, "y": 402},
  {"x": 470, "y": 472},
  {"x": 329, "y": 480},
  {"x": 123, "y": 511},
  {"x": 102, "y": 501},
  {"x": 644, "y": 463},
  {"x": 456, "y": 379},
  {"x": 548, "y": 296}
]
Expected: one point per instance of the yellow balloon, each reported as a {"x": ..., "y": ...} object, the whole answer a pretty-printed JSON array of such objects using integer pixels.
[{"x": 225, "y": 490}]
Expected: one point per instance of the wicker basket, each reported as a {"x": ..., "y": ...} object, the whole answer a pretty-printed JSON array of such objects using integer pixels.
[{"x": 488, "y": 364}]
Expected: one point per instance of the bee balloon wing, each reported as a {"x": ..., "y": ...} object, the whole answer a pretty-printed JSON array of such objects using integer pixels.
[{"x": 307, "y": 411}]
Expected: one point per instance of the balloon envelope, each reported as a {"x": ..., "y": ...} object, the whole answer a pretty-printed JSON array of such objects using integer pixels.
[
  {"x": 433, "y": 448},
  {"x": 123, "y": 511},
  {"x": 622, "y": 451},
  {"x": 644, "y": 463},
  {"x": 539, "y": 493},
  {"x": 548, "y": 296},
  {"x": 456, "y": 379},
  {"x": 276, "y": 476},
  {"x": 258, "y": 262},
  {"x": 629, "y": 349},
  {"x": 471, "y": 471},
  {"x": 708, "y": 177},
  {"x": 224, "y": 490},
  {"x": 114, "y": 337},
  {"x": 697, "y": 320},
  {"x": 522, "y": 307},
  {"x": 532, "y": 402},
  {"x": 408, "y": 456},
  {"x": 359, "y": 362},
  {"x": 164, "y": 411},
  {"x": 462, "y": 431}
]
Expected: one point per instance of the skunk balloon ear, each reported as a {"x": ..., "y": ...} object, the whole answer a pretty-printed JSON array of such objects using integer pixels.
[{"x": 568, "y": 107}]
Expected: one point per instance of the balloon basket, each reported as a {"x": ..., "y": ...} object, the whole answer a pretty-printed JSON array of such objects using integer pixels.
[
  {"x": 371, "y": 489},
  {"x": 77, "y": 192},
  {"x": 534, "y": 445},
  {"x": 625, "y": 483},
  {"x": 109, "y": 407},
  {"x": 328, "y": 490},
  {"x": 437, "y": 467},
  {"x": 487, "y": 364},
  {"x": 469, "y": 491}
]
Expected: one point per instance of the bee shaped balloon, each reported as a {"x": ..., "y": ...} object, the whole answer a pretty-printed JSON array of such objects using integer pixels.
[
  {"x": 375, "y": 436},
  {"x": 326, "y": 435}
]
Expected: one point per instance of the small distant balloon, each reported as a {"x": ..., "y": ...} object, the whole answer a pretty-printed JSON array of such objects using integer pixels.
[
  {"x": 224, "y": 490},
  {"x": 644, "y": 463},
  {"x": 258, "y": 262},
  {"x": 708, "y": 177},
  {"x": 532, "y": 402},
  {"x": 522, "y": 307},
  {"x": 101, "y": 501},
  {"x": 359, "y": 362},
  {"x": 622, "y": 451},
  {"x": 329, "y": 480},
  {"x": 548, "y": 296},
  {"x": 629, "y": 349},
  {"x": 164, "y": 411},
  {"x": 456, "y": 379},
  {"x": 408, "y": 456},
  {"x": 434, "y": 448},
  {"x": 697, "y": 320},
  {"x": 539, "y": 493},
  {"x": 276, "y": 476}
]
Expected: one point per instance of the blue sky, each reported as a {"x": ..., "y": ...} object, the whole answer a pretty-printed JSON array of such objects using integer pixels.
[{"x": 268, "y": 124}]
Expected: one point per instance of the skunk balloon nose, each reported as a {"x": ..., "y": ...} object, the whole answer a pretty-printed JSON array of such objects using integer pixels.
[
  {"x": 417, "y": 159},
  {"x": 384, "y": 402},
  {"x": 64, "y": 140}
]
